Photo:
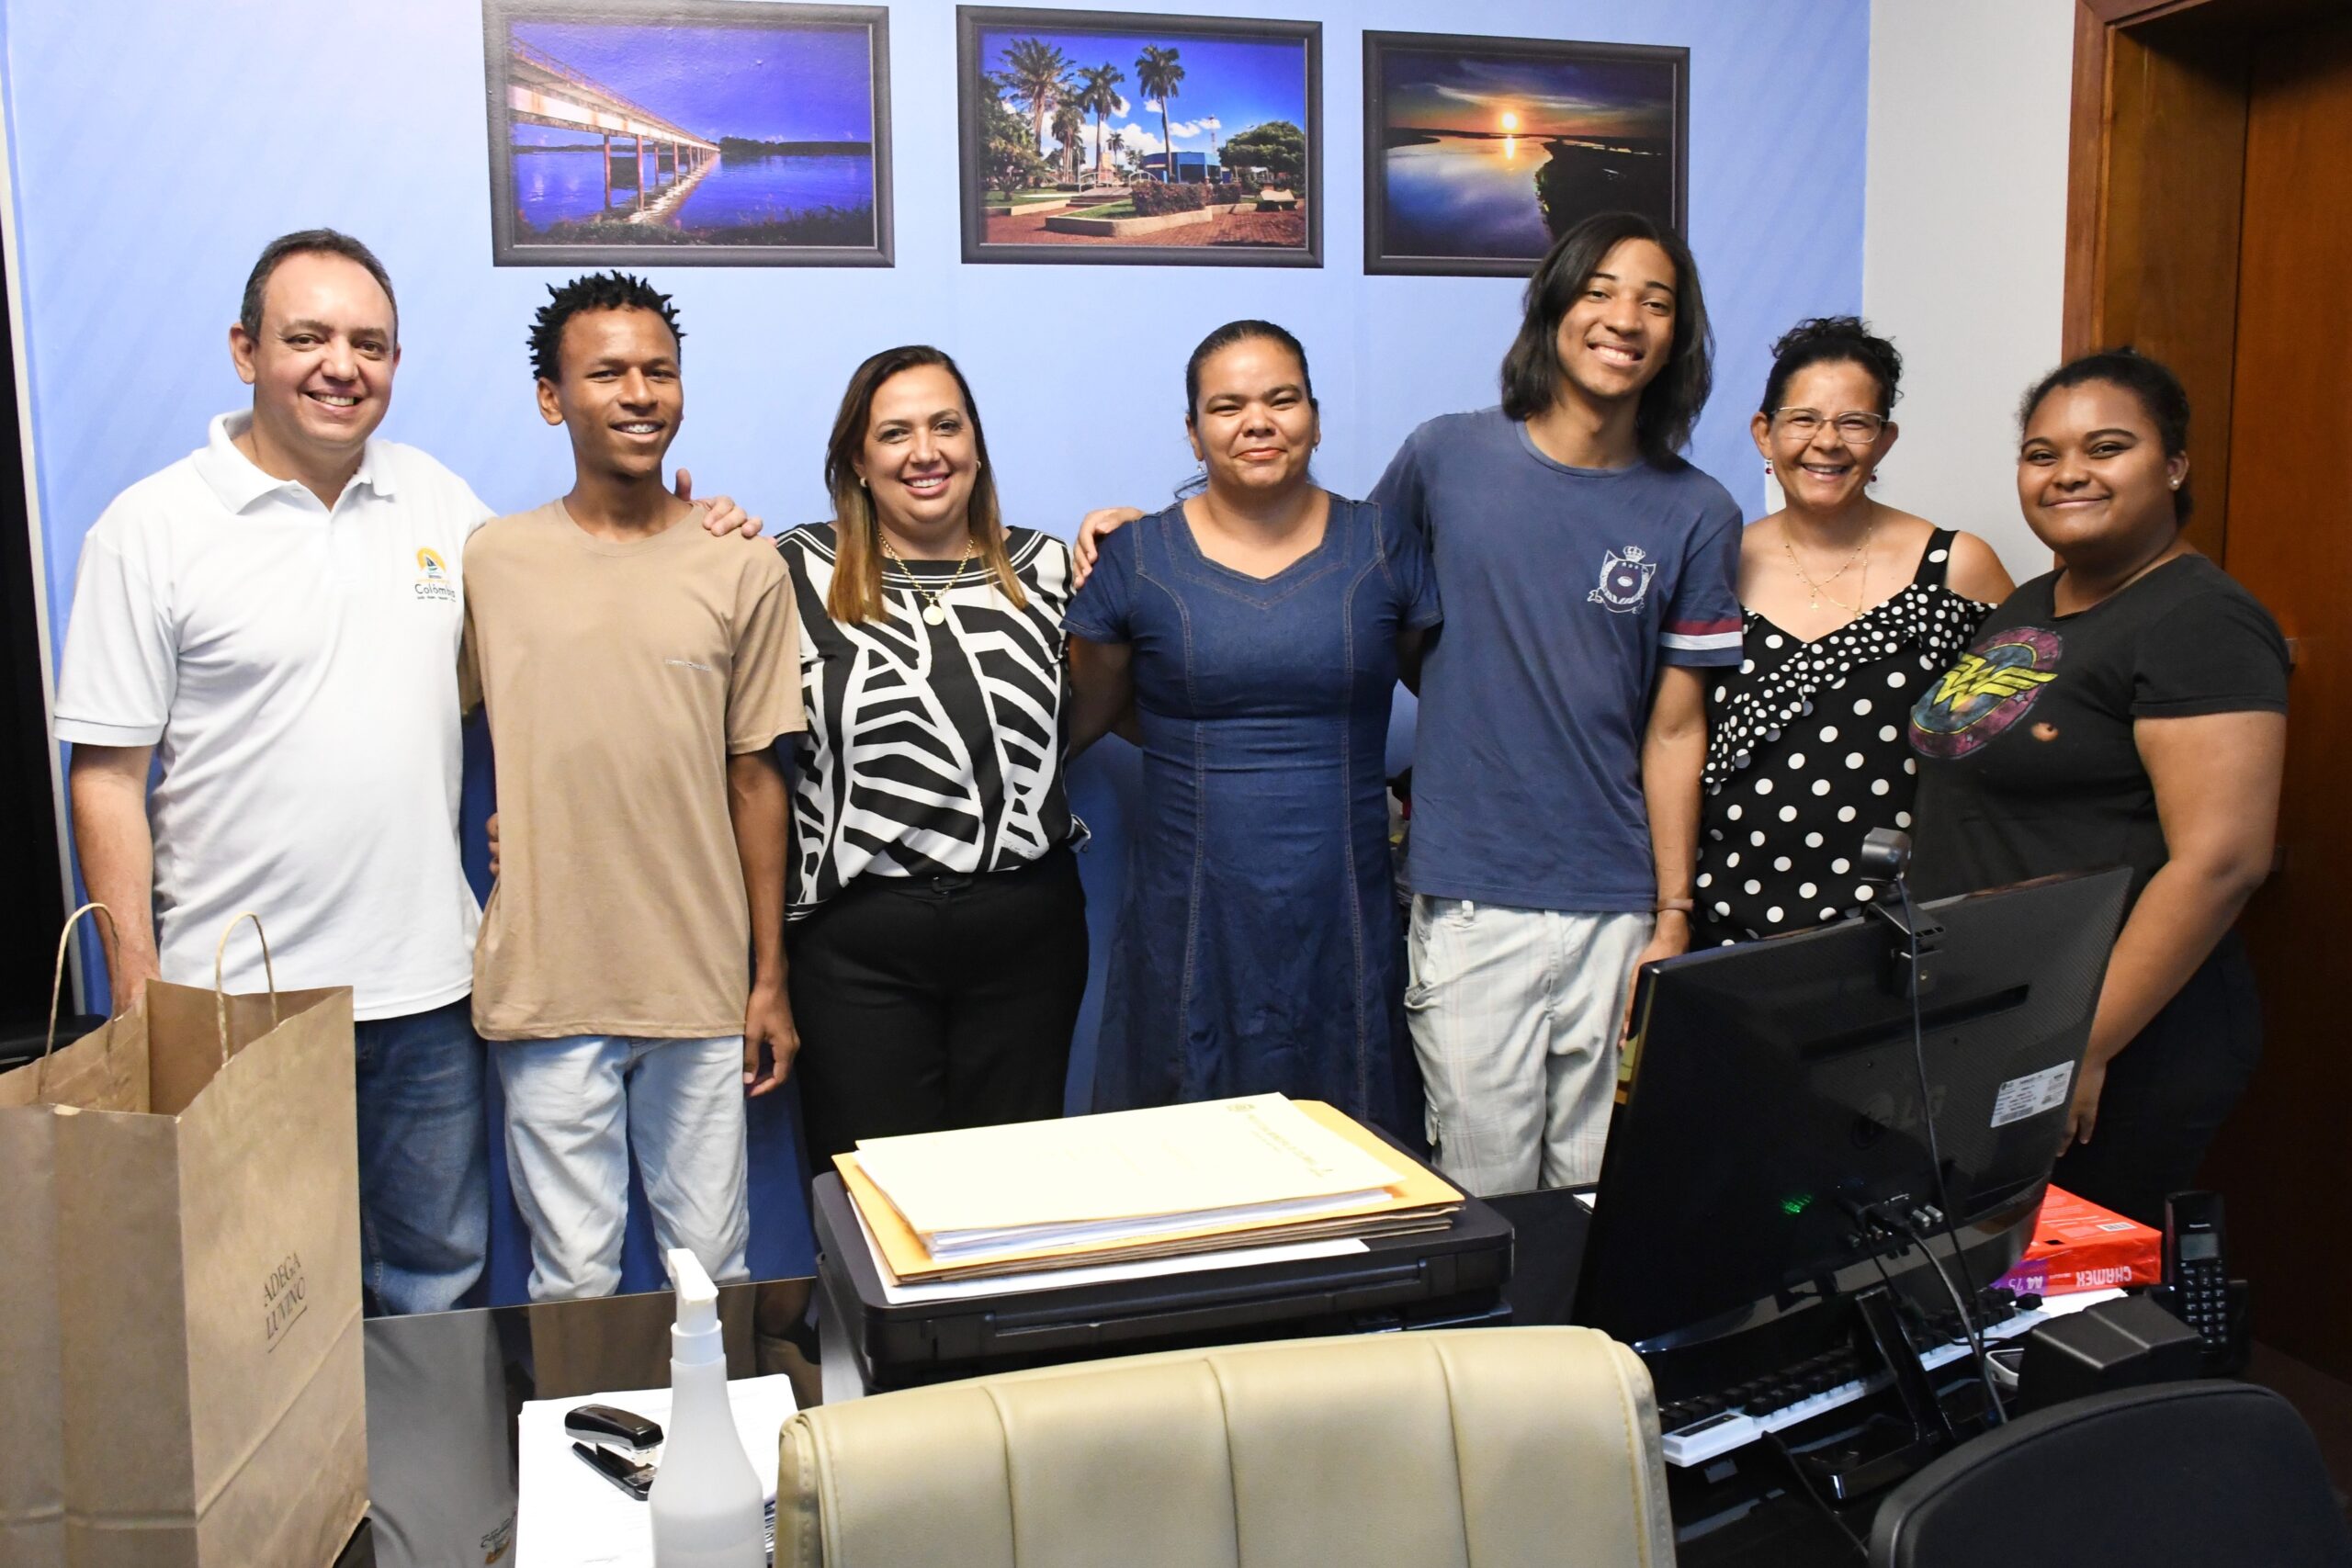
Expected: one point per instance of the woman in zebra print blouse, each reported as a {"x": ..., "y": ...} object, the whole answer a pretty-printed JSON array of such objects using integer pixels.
[{"x": 937, "y": 932}]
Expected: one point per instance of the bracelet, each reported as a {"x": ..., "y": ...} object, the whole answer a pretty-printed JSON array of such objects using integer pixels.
[{"x": 1683, "y": 906}]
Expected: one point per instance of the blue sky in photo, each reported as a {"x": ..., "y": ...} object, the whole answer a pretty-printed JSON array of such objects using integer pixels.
[
  {"x": 794, "y": 83},
  {"x": 1234, "y": 83},
  {"x": 1436, "y": 91}
]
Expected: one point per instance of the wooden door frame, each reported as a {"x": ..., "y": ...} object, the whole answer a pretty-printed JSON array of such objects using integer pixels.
[
  {"x": 2155, "y": 178},
  {"x": 2164, "y": 93},
  {"x": 2155, "y": 186},
  {"x": 2110, "y": 35},
  {"x": 2090, "y": 123}
]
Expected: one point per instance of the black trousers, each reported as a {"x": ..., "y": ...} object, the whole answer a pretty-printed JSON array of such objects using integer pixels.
[
  {"x": 923, "y": 1005},
  {"x": 2169, "y": 1091}
]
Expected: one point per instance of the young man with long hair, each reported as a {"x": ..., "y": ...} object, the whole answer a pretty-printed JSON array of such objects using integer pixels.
[{"x": 1589, "y": 578}]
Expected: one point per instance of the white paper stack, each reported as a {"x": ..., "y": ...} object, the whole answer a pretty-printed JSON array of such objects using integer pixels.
[{"x": 1132, "y": 1187}]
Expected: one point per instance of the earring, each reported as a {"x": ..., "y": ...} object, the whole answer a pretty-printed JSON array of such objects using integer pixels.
[
  {"x": 1768, "y": 468},
  {"x": 2175, "y": 484},
  {"x": 861, "y": 481}
]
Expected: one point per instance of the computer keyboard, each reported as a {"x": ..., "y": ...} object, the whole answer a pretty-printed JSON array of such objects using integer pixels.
[{"x": 1699, "y": 1429}]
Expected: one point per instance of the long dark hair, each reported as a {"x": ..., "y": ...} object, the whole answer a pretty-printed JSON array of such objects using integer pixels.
[
  {"x": 2150, "y": 380},
  {"x": 1670, "y": 403},
  {"x": 855, "y": 596}
]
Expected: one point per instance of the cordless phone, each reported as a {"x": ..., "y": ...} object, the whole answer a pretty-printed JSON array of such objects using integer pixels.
[{"x": 2197, "y": 1268}]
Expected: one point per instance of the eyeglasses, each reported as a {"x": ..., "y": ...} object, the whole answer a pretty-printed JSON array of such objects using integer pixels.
[{"x": 1855, "y": 429}]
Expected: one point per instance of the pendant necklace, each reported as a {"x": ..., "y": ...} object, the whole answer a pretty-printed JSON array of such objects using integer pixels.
[
  {"x": 935, "y": 613},
  {"x": 1817, "y": 592}
]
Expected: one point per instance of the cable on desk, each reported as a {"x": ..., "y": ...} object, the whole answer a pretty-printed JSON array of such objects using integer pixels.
[{"x": 1996, "y": 1412}]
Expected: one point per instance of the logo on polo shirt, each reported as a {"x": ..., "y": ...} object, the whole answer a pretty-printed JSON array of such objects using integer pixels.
[
  {"x": 1625, "y": 579},
  {"x": 432, "y": 578}
]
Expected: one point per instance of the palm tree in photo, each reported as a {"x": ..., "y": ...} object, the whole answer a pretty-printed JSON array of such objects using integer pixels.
[
  {"x": 1118, "y": 146},
  {"x": 1069, "y": 130},
  {"x": 1039, "y": 73},
  {"x": 1157, "y": 72},
  {"x": 1097, "y": 89}
]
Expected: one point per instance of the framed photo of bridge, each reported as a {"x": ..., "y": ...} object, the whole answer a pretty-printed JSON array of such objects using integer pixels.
[
  {"x": 1125, "y": 137},
  {"x": 1479, "y": 152},
  {"x": 711, "y": 133}
]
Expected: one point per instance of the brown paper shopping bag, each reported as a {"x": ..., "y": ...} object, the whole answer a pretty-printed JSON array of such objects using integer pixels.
[{"x": 187, "y": 1194}]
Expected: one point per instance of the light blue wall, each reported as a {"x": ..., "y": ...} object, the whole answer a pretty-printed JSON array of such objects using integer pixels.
[{"x": 156, "y": 144}]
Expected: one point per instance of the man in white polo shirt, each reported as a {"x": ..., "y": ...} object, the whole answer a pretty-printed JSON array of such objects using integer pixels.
[{"x": 276, "y": 618}]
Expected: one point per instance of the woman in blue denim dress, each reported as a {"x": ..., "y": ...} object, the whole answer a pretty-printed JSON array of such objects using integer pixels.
[{"x": 1258, "y": 629}]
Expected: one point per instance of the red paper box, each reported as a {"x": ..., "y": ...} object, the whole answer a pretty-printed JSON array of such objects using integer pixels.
[{"x": 2077, "y": 1246}]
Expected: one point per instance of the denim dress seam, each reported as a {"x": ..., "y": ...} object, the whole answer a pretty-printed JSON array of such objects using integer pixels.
[
  {"x": 1210, "y": 579},
  {"x": 1183, "y": 1032},
  {"x": 1348, "y": 837},
  {"x": 1268, "y": 601}
]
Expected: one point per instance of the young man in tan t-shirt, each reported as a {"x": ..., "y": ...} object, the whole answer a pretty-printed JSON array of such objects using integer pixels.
[{"x": 631, "y": 970}]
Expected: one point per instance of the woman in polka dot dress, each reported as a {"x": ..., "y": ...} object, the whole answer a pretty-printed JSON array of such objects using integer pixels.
[{"x": 1851, "y": 608}]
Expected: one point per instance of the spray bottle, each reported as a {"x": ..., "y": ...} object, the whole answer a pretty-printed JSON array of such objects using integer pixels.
[{"x": 707, "y": 1505}]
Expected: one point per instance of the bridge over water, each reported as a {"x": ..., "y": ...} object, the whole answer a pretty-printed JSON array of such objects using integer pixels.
[{"x": 543, "y": 90}]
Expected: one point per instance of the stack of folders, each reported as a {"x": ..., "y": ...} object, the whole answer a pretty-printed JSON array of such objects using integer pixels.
[{"x": 1133, "y": 1184}]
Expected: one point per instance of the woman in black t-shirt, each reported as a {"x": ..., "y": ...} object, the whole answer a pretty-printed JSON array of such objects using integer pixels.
[{"x": 2129, "y": 709}]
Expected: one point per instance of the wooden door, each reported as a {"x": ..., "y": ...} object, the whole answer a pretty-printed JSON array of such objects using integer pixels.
[{"x": 2285, "y": 1161}]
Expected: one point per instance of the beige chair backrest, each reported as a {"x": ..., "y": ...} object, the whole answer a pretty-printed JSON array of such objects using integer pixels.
[{"x": 1489, "y": 1448}]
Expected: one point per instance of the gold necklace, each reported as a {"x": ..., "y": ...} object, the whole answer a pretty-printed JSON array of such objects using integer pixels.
[
  {"x": 1862, "y": 593},
  {"x": 1817, "y": 592},
  {"x": 933, "y": 612}
]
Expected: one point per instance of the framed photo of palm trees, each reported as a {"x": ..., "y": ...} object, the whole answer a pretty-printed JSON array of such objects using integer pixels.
[{"x": 1122, "y": 137}]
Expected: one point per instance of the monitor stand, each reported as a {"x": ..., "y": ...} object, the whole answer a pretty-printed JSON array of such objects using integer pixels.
[{"x": 1888, "y": 1447}]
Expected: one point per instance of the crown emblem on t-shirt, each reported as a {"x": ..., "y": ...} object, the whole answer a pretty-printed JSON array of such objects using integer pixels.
[{"x": 1625, "y": 579}]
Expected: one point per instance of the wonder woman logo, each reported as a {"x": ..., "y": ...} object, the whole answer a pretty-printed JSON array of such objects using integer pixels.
[
  {"x": 1976, "y": 677},
  {"x": 1994, "y": 685}
]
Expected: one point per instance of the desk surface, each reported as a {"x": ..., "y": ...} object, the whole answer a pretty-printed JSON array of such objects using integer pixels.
[{"x": 445, "y": 1391}]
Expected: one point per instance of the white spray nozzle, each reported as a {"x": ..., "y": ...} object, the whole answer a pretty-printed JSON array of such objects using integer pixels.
[{"x": 698, "y": 1297}]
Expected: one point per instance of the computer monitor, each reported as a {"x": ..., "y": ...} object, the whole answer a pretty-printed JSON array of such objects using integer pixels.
[{"x": 1773, "y": 1092}]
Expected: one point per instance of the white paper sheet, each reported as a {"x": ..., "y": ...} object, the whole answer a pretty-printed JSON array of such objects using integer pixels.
[
  {"x": 1095, "y": 1274},
  {"x": 570, "y": 1517}
]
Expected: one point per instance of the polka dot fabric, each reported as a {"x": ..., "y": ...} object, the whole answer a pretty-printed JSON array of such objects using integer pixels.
[{"x": 1806, "y": 753}]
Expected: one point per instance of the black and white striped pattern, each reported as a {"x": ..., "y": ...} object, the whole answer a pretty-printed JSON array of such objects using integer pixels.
[{"x": 929, "y": 748}]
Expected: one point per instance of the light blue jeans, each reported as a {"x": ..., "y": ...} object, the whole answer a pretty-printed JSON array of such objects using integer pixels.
[
  {"x": 424, "y": 1158},
  {"x": 576, "y": 1107}
]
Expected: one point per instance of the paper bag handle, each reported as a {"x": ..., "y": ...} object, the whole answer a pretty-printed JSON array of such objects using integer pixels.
[
  {"x": 57, "y": 980},
  {"x": 221, "y": 997}
]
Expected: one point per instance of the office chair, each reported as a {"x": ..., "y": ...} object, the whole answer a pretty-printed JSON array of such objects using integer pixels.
[
  {"x": 2184, "y": 1473},
  {"x": 1496, "y": 1447}
]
